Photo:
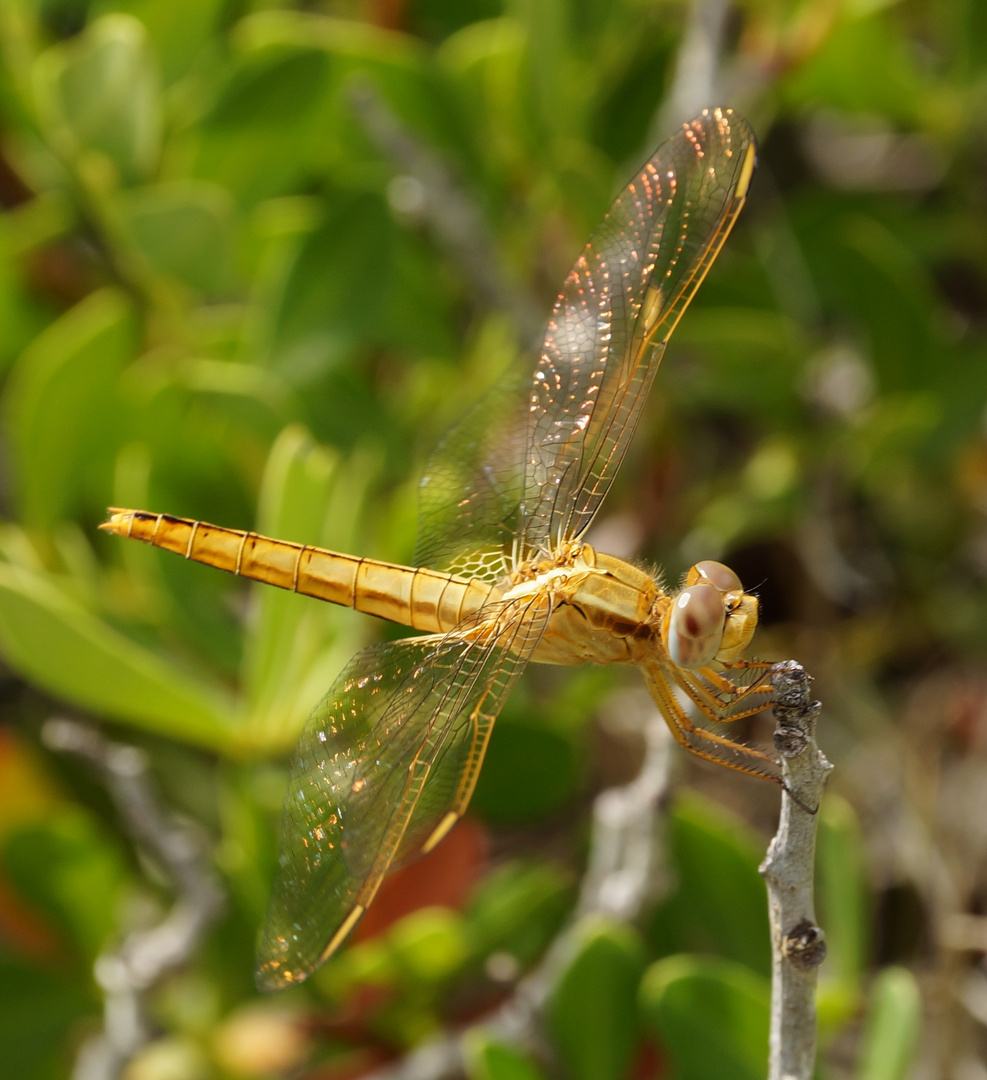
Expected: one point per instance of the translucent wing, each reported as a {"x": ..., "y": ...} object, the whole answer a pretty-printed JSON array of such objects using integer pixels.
[
  {"x": 400, "y": 714},
  {"x": 472, "y": 489},
  {"x": 538, "y": 469},
  {"x": 618, "y": 308}
]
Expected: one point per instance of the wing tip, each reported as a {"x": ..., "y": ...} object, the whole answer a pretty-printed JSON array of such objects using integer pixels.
[
  {"x": 274, "y": 973},
  {"x": 737, "y": 129}
]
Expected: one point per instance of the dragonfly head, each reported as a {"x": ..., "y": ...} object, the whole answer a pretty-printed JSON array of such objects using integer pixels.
[{"x": 712, "y": 618}]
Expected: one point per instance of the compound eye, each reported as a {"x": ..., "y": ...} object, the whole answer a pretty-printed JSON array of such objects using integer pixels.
[
  {"x": 695, "y": 625},
  {"x": 722, "y": 577}
]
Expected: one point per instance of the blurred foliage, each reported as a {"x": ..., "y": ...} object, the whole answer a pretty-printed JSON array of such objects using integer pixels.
[{"x": 219, "y": 297}]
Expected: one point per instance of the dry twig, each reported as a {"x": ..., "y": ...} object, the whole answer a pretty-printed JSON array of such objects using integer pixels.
[
  {"x": 798, "y": 946},
  {"x": 128, "y": 973},
  {"x": 699, "y": 67}
]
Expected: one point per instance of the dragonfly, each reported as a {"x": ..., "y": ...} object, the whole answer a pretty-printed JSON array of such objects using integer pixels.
[{"x": 503, "y": 575}]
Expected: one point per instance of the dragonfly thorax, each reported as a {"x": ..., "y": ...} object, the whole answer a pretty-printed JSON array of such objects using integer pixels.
[
  {"x": 604, "y": 610},
  {"x": 608, "y": 611}
]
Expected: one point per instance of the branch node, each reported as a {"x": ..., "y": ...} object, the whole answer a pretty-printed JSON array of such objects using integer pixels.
[
  {"x": 790, "y": 739},
  {"x": 804, "y": 945},
  {"x": 791, "y": 684}
]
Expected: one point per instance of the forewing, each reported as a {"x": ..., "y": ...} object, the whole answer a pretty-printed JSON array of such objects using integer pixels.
[
  {"x": 617, "y": 310},
  {"x": 531, "y": 465},
  {"x": 389, "y": 757}
]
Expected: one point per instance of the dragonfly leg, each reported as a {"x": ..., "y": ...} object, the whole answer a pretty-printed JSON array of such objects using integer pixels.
[
  {"x": 707, "y": 744},
  {"x": 720, "y": 698}
]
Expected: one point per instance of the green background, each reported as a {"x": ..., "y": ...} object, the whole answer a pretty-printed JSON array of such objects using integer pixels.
[{"x": 221, "y": 296}]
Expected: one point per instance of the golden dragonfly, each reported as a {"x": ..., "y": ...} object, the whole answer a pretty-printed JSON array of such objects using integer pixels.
[{"x": 390, "y": 757}]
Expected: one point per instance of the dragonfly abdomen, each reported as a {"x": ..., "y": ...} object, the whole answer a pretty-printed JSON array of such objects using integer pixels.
[{"x": 421, "y": 598}]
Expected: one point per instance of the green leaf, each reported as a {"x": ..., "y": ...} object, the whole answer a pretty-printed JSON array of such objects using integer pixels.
[
  {"x": 626, "y": 112},
  {"x": 711, "y": 1016},
  {"x": 179, "y": 29},
  {"x": 257, "y": 138},
  {"x": 892, "y": 295},
  {"x": 23, "y": 313},
  {"x": 551, "y": 97},
  {"x": 482, "y": 63},
  {"x": 333, "y": 292},
  {"x": 719, "y": 903},
  {"x": 269, "y": 86},
  {"x": 396, "y": 64},
  {"x": 184, "y": 229},
  {"x": 436, "y": 19},
  {"x": 53, "y": 642},
  {"x": 841, "y": 894},
  {"x": 70, "y": 873},
  {"x": 428, "y": 945},
  {"x": 60, "y": 406},
  {"x": 294, "y": 649},
  {"x": 529, "y": 771},
  {"x": 967, "y": 46},
  {"x": 733, "y": 341},
  {"x": 249, "y": 799},
  {"x": 517, "y": 910},
  {"x": 489, "y": 1059},
  {"x": 892, "y": 1027},
  {"x": 100, "y": 92},
  {"x": 416, "y": 312},
  {"x": 592, "y": 1012},
  {"x": 40, "y": 1010},
  {"x": 864, "y": 65}
]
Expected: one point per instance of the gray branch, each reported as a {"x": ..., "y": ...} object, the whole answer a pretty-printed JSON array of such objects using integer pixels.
[
  {"x": 625, "y": 861},
  {"x": 698, "y": 80},
  {"x": 144, "y": 957},
  {"x": 798, "y": 945}
]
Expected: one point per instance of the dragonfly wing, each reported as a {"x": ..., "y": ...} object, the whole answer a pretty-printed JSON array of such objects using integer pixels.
[
  {"x": 533, "y": 463},
  {"x": 617, "y": 309},
  {"x": 472, "y": 487},
  {"x": 385, "y": 766}
]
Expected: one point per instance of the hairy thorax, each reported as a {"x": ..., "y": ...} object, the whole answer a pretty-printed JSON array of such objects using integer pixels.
[{"x": 603, "y": 609}]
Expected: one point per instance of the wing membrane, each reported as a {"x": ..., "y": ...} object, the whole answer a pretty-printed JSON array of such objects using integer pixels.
[
  {"x": 400, "y": 714},
  {"x": 472, "y": 488},
  {"x": 538, "y": 472}
]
